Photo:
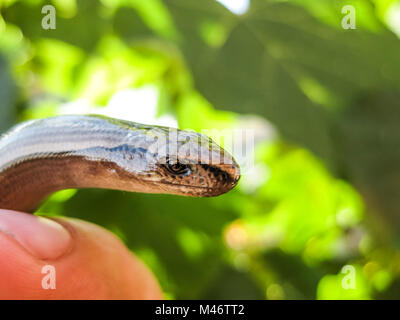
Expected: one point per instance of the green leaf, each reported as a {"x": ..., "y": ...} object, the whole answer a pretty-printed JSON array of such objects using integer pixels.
[
  {"x": 7, "y": 96},
  {"x": 273, "y": 59}
]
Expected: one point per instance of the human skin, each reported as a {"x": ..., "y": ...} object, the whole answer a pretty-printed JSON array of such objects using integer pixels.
[{"x": 89, "y": 261}]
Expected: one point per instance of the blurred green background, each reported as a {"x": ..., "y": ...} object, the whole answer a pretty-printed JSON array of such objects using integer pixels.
[{"x": 324, "y": 103}]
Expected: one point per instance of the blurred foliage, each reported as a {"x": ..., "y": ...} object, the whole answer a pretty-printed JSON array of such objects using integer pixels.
[{"x": 324, "y": 103}]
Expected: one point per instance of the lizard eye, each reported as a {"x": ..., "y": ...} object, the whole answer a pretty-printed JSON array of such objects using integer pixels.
[{"x": 178, "y": 168}]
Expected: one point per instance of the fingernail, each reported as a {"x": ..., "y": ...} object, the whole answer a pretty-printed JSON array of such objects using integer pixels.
[{"x": 41, "y": 237}]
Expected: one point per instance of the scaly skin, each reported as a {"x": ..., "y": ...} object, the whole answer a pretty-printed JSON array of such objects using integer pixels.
[{"x": 42, "y": 156}]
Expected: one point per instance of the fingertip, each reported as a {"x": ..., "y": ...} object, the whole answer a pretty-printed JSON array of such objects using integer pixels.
[
  {"x": 42, "y": 237},
  {"x": 114, "y": 270},
  {"x": 91, "y": 262}
]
